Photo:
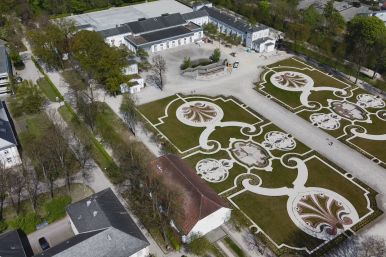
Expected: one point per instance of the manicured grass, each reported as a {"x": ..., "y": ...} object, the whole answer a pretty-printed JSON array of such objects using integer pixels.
[
  {"x": 269, "y": 213},
  {"x": 235, "y": 248},
  {"x": 55, "y": 208},
  {"x": 291, "y": 100},
  {"x": 46, "y": 88}
]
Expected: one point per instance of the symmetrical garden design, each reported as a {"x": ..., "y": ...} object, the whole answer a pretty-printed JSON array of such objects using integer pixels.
[
  {"x": 345, "y": 111},
  {"x": 293, "y": 199}
]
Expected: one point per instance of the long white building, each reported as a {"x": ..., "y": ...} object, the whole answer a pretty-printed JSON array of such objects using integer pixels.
[
  {"x": 171, "y": 30},
  {"x": 5, "y": 68}
]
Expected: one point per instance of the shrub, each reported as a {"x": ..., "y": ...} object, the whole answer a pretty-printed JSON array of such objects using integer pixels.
[
  {"x": 55, "y": 208},
  {"x": 3, "y": 226},
  {"x": 215, "y": 57},
  {"x": 199, "y": 245},
  {"x": 26, "y": 222},
  {"x": 186, "y": 64}
]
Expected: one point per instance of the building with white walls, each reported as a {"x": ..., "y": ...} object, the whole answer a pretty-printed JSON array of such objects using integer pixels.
[
  {"x": 9, "y": 153},
  {"x": 202, "y": 209},
  {"x": 5, "y": 68}
]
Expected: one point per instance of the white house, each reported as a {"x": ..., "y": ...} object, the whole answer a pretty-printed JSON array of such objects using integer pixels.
[
  {"x": 202, "y": 209},
  {"x": 9, "y": 153},
  {"x": 102, "y": 227},
  {"x": 136, "y": 83},
  {"x": 5, "y": 68},
  {"x": 256, "y": 37}
]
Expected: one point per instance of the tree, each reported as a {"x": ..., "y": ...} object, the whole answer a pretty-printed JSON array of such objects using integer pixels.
[
  {"x": 129, "y": 111},
  {"x": 158, "y": 71},
  {"x": 210, "y": 29},
  {"x": 28, "y": 99},
  {"x": 215, "y": 57},
  {"x": 4, "y": 176},
  {"x": 362, "y": 35},
  {"x": 367, "y": 246},
  {"x": 334, "y": 21},
  {"x": 312, "y": 17},
  {"x": 16, "y": 185},
  {"x": 199, "y": 245},
  {"x": 32, "y": 182},
  {"x": 186, "y": 64}
]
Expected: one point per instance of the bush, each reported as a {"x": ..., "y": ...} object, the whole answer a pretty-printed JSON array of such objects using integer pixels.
[
  {"x": 199, "y": 245},
  {"x": 215, "y": 57},
  {"x": 186, "y": 64},
  {"x": 3, "y": 226},
  {"x": 26, "y": 222},
  {"x": 56, "y": 208}
]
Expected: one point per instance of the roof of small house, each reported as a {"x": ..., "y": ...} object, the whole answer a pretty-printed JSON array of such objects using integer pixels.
[
  {"x": 197, "y": 198},
  {"x": 5, "y": 66},
  {"x": 15, "y": 244}
]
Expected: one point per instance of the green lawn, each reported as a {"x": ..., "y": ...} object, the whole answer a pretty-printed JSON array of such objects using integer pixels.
[
  {"x": 291, "y": 100},
  {"x": 235, "y": 248},
  {"x": 269, "y": 213},
  {"x": 46, "y": 88}
]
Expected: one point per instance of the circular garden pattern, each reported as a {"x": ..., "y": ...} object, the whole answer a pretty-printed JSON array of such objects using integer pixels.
[
  {"x": 322, "y": 213},
  {"x": 348, "y": 110},
  {"x": 291, "y": 80},
  {"x": 279, "y": 140},
  {"x": 251, "y": 154},
  {"x": 199, "y": 113},
  {"x": 213, "y": 170},
  {"x": 372, "y": 101}
]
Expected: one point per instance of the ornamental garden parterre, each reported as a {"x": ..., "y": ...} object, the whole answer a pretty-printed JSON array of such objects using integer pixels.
[
  {"x": 343, "y": 110},
  {"x": 294, "y": 199}
]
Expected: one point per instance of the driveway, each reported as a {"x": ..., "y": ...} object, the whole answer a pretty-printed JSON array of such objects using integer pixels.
[{"x": 55, "y": 234}]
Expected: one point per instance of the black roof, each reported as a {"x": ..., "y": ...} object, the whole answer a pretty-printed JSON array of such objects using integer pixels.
[
  {"x": 157, "y": 23},
  {"x": 123, "y": 29},
  {"x": 15, "y": 244},
  {"x": 232, "y": 21},
  {"x": 5, "y": 66},
  {"x": 161, "y": 35},
  {"x": 102, "y": 210},
  {"x": 7, "y": 133},
  {"x": 196, "y": 14},
  {"x": 68, "y": 244}
]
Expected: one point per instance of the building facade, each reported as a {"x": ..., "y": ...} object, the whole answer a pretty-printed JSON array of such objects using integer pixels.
[
  {"x": 5, "y": 68},
  {"x": 9, "y": 153}
]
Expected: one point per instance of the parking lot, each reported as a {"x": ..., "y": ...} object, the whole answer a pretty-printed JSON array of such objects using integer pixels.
[{"x": 55, "y": 234}]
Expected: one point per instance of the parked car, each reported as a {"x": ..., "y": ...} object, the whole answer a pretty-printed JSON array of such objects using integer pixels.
[
  {"x": 18, "y": 79},
  {"x": 233, "y": 54},
  {"x": 236, "y": 65},
  {"x": 44, "y": 243}
]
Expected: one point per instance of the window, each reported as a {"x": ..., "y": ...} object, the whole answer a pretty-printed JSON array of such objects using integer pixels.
[{"x": 9, "y": 160}]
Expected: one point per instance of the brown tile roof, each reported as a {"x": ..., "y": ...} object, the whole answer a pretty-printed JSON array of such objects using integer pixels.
[{"x": 197, "y": 198}]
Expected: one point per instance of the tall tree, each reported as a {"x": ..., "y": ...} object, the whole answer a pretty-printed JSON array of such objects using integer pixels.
[
  {"x": 158, "y": 71},
  {"x": 129, "y": 112}
]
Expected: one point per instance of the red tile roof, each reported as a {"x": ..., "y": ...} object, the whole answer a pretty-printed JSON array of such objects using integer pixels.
[{"x": 198, "y": 199}]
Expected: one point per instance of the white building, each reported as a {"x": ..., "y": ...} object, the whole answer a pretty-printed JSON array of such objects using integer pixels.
[
  {"x": 5, "y": 68},
  {"x": 256, "y": 37},
  {"x": 202, "y": 210},
  {"x": 136, "y": 82},
  {"x": 154, "y": 34},
  {"x": 9, "y": 153}
]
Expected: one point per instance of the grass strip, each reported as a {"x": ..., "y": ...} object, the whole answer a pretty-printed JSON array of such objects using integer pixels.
[{"x": 235, "y": 248}]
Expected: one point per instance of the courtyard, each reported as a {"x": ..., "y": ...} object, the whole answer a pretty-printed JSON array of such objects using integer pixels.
[
  {"x": 295, "y": 200},
  {"x": 343, "y": 110}
]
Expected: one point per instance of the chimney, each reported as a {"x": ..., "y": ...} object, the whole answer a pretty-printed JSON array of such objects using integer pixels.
[
  {"x": 95, "y": 213},
  {"x": 88, "y": 203}
]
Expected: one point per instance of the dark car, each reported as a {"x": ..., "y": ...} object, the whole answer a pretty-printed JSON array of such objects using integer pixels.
[
  {"x": 235, "y": 65},
  {"x": 43, "y": 243}
]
